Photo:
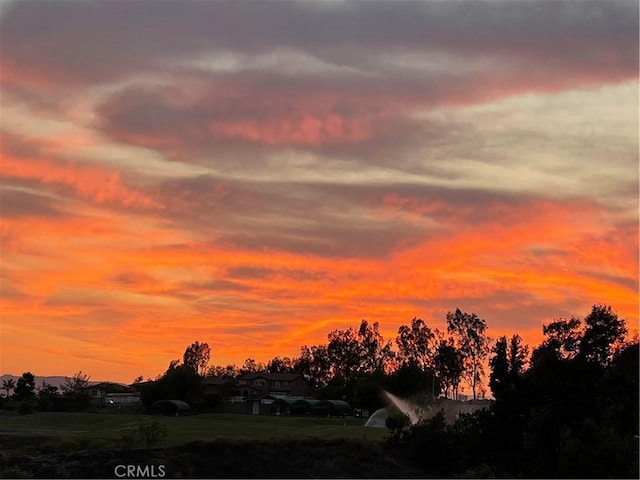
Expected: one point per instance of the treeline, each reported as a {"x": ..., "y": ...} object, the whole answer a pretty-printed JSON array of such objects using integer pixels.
[
  {"x": 570, "y": 412},
  {"x": 73, "y": 394},
  {"x": 356, "y": 364},
  {"x": 565, "y": 408}
]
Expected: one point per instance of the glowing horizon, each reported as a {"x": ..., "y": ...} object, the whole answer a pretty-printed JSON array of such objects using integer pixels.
[{"x": 254, "y": 176}]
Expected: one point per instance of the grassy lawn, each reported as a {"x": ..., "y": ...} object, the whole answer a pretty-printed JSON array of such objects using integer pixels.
[{"x": 93, "y": 426}]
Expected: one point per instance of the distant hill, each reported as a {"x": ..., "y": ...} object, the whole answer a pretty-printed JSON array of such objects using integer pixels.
[{"x": 55, "y": 380}]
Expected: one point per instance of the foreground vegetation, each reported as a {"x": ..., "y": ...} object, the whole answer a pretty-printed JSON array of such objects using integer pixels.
[
  {"x": 573, "y": 413},
  {"x": 224, "y": 458}
]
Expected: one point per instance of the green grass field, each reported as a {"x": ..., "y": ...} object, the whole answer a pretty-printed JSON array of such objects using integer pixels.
[{"x": 112, "y": 427}]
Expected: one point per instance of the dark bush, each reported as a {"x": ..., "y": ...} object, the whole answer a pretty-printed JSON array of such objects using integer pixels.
[
  {"x": 151, "y": 433},
  {"x": 396, "y": 422},
  {"x": 431, "y": 444}
]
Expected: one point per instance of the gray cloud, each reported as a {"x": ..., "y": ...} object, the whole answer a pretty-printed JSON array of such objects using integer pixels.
[
  {"x": 339, "y": 220},
  {"x": 96, "y": 41},
  {"x": 251, "y": 272},
  {"x": 629, "y": 283},
  {"x": 219, "y": 286},
  {"x": 24, "y": 203},
  {"x": 377, "y": 64},
  {"x": 248, "y": 120}
]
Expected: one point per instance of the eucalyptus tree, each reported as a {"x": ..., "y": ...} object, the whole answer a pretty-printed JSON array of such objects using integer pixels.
[
  {"x": 280, "y": 365},
  {"x": 197, "y": 356},
  {"x": 449, "y": 365},
  {"x": 416, "y": 344},
  {"x": 470, "y": 334},
  {"x": 250, "y": 365},
  {"x": 356, "y": 353},
  {"x": 314, "y": 365}
]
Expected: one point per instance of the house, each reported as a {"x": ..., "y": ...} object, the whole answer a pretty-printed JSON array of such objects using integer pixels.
[
  {"x": 222, "y": 386},
  {"x": 110, "y": 393},
  {"x": 100, "y": 390},
  {"x": 220, "y": 389},
  {"x": 258, "y": 390},
  {"x": 276, "y": 385}
]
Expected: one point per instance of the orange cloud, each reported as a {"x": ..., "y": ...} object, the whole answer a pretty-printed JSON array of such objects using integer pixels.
[
  {"x": 425, "y": 272},
  {"x": 307, "y": 130},
  {"x": 165, "y": 293},
  {"x": 97, "y": 184}
]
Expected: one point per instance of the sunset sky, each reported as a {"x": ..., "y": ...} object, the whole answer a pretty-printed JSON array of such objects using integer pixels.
[{"x": 255, "y": 175}]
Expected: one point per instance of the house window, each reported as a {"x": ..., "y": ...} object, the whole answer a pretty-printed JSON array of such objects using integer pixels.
[
  {"x": 275, "y": 384},
  {"x": 94, "y": 392},
  {"x": 258, "y": 383},
  {"x": 242, "y": 382}
]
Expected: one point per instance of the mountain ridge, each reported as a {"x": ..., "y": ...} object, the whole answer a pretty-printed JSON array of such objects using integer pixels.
[{"x": 55, "y": 380}]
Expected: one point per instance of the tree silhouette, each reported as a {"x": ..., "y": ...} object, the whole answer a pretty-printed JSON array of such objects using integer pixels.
[
  {"x": 280, "y": 365},
  {"x": 179, "y": 382},
  {"x": 47, "y": 394},
  {"x": 499, "y": 363},
  {"x": 449, "y": 365},
  {"x": 8, "y": 384},
  {"x": 251, "y": 366},
  {"x": 353, "y": 354},
  {"x": 563, "y": 337},
  {"x": 197, "y": 356},
  {"x": 76, "y": 385},
  {"x": 603, "y": 329},
  {"x": 518, "y": 354},
  {"x": 409, "y": 379},
  {"x": 76, "y": 390},
  {"x": 470, "y": 335},
  {"x": 314, "y": 365},
  {"x": 345, "y": 355},
  {"x": 219, "y": 371},
  {"x": 25, "y": 388},
  {"x": 507, "y": 364},
  {"x": 376, "y": 353},
  {"x": 415, "y": 344}
]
